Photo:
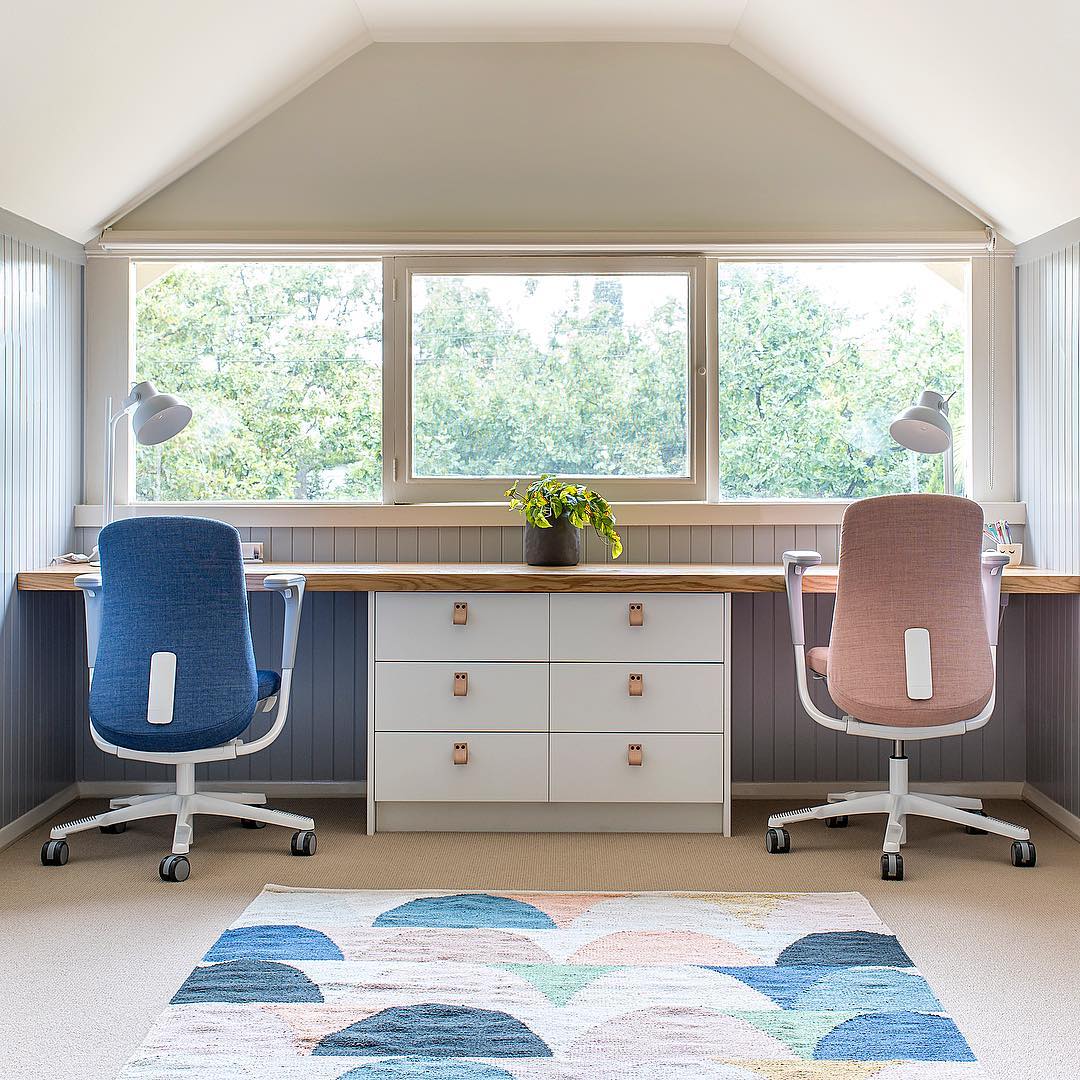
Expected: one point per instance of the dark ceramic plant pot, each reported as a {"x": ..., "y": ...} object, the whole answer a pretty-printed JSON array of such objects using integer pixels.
[{"x": 558, "y": 546}]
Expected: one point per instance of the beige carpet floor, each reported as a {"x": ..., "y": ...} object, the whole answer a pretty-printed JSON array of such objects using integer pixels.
[{"x": 91, "y": 952}]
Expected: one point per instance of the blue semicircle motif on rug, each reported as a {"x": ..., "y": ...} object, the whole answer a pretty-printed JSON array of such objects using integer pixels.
[
  {"x": 906, "y": 1036},
  {"x": 467, "y": 911},
  {"x": 435, "y": 1031},
  {"x": 247, "y": 980},
  {"x": 273, "y": 942},
  {"x": 846, "y": 948},
  {"x": 868, "y": 989},
  {"x": 425, "y": 1069}
]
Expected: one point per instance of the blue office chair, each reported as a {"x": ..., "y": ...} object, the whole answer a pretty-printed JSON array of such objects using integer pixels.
[{"x": 173, "y": 678}]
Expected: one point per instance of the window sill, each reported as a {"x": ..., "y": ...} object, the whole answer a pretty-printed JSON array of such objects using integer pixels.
[{"x": 458, "y": 515}]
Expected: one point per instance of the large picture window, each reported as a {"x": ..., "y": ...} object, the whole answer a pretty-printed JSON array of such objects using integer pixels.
[
  {"x": 814, "y": 361},
  {"x": 282, "y": 366}
]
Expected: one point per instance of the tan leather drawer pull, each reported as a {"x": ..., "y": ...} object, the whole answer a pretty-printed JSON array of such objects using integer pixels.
[
  {"x": 461, "y": 612},
  {"x": 461, "y": 753},
  {"x": 637, "y": 685},
  {"x": 634, "y": 754},
  {"x": 637, "y": 614},
  {"x": 461, "y": 683}
]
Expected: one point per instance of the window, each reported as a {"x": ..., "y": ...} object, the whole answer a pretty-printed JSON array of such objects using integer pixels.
[
  {"x": 281, "y": 363},
  {"x": 815, "y": 360},
  {"x": 521, "y": 367}
]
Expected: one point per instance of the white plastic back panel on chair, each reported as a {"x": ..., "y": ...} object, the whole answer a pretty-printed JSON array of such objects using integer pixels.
[
  {"x": 674, "y": 768},
  {"x": 449, "y": 695},
  {"x": 637, "y": 626},
  {"x": 420, "y": 767},
  {"x": 461, "y": 626},
  {"x": 637, "y": 697}
]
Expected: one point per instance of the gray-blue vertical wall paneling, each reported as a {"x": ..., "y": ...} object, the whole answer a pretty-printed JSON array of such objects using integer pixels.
[
  {"x": 42, "y": 682},
  {"x": 771, "y": 738},
  {"x": 1048, "y": 363}
]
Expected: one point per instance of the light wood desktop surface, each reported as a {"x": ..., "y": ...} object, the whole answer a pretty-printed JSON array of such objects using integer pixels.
[{"x": 517, "y": 577}]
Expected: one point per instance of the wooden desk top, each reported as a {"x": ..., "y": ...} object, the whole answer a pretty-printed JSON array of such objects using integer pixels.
[{"x": 517, "y": 577}]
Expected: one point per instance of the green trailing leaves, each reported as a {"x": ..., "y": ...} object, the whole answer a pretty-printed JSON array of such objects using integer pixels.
[{"x": 545, "y": 500}]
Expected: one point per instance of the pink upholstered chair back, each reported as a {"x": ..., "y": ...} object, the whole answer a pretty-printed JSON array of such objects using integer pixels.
[{"x": 910, "y": 561}]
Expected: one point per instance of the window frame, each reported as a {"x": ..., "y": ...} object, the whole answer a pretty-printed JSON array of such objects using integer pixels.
[
  {"x": 110, "y": 362},
  {"x": 400, "y": 486}
]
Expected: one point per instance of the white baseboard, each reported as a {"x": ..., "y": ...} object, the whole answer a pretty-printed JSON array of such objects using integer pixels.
[
  {"x": 273, "y": 789},
  {"x": 15, "y": 830},
  {"x": 811, "y": 790},
  {"x": 1064, "y": 819}
]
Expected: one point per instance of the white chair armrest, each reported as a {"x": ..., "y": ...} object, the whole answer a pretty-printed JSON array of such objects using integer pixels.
[
  {"x": 795, "y": 565},
  {"x": 993, "y": 565},
  {"x": 92, "y": 597},
  {"x": 291, "y": 587}
]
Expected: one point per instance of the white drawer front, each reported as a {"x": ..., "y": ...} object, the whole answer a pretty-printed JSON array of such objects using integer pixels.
[
  {"x": 490, "y": 697},
  {"x": 497, "y": 626},
  {"x": 674, "y": 769},
  {"x": 675, "y": 626},
  {"x": 419, "y": 767},
  {"x": 673, "y": 697}
]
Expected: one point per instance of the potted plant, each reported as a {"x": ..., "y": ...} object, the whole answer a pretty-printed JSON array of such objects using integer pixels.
[{"x": 555, "y": 512}]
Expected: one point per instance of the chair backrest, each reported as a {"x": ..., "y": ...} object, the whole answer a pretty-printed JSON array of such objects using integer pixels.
[
  {"x": 173, "y": 584},
  {"x": 910, "y": 561}
]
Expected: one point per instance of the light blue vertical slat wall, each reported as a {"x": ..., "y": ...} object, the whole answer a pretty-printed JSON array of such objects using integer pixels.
[
  {"x": 772, "y": 740},
  {"x": 1048, "y": 341},
  {"x": 41, "y": 682}
]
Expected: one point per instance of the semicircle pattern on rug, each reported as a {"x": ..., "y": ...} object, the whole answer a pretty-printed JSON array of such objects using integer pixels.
[{"x": 459, "y": 985}]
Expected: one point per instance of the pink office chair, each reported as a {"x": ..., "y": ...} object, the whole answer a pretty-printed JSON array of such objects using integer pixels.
[{"x": 912, "y": 655}]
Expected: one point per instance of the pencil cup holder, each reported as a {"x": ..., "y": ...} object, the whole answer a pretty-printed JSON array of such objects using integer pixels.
[{"x": 1014, "y": 551}]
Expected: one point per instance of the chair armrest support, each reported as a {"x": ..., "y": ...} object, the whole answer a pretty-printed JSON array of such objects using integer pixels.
[
  {"x": 291, "y": 587},
  {"x": 92, "y": 598},
  {"x": 796, "y": 564},
  {"x": 993, "y": 565}
]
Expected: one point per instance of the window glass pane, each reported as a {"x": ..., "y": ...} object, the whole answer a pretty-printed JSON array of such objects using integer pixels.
[
  {"x": 576, "y": 374},
  {"x": 282, "y": 366},
  {"x": 815, "y": 361}
]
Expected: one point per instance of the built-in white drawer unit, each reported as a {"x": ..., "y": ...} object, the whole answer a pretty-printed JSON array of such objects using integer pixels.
[
  {"x": 461, "y": 626},
  {"x": 640, "y": 767},
  {"x": 461, "y": 696},
  {"x": 637, "y": 697},
  {"x": 464, "y": 766},
  {"x": 637, "y": 626}
]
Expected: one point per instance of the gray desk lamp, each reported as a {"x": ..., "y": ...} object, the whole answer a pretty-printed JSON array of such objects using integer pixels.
[
  {"x": 925, "y": 428},
  {"x": 157, "y": 418}
]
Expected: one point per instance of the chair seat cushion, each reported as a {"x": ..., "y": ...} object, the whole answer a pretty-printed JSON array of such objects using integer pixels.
[
  {"x": 135, "y": 733},
  {"x": 817, "y": 659},
  {"x": 269, "y": 683}
]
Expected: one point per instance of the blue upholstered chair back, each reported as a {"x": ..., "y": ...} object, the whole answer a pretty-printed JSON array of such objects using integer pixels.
[{"x": 173, "y": 585}]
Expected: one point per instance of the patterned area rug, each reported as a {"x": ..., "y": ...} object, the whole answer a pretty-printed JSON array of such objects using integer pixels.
[{"x": 323, "y": 985}]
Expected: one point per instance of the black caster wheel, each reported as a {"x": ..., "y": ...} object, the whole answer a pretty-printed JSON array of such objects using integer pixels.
[
  {"x": 892, "y": 866},
  {"x": 114, "y": 830},
  {"x": 971, "y": 830},
  {"x": 777, "y": 841},
  {"x": 174, "y": 868},
  {"x": 247, "y": 823},
  {"x": 836, "y": 822},
  {"x": 304, "y": 842},
  {"x": 54, "y": 853},
  {"x": 1023, "y": 853}
]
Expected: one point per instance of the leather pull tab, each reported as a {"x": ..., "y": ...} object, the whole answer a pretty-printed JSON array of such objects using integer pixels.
[
  {"x": 634, "y": 754},
  {"x": 461, "y": 753},
  {"x": 637, "y": 614},
  {"x": 461, "y": 683},
  {"x": 461, "y": 612},
  {"x": 637, "y": 684}
]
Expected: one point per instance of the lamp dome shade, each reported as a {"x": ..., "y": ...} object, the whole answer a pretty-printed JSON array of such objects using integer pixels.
[
  {"x": 159, "y": 417},
  {"x": 924, "y": 428}
]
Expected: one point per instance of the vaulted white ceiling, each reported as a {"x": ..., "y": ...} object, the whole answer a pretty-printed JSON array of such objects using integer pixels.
[{"x": 104, "y": 101}]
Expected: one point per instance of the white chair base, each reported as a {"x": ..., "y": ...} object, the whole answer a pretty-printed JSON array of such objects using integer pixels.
[
  {"x": 899, "y": 803},
  {"x": 184, "y": 803}
]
